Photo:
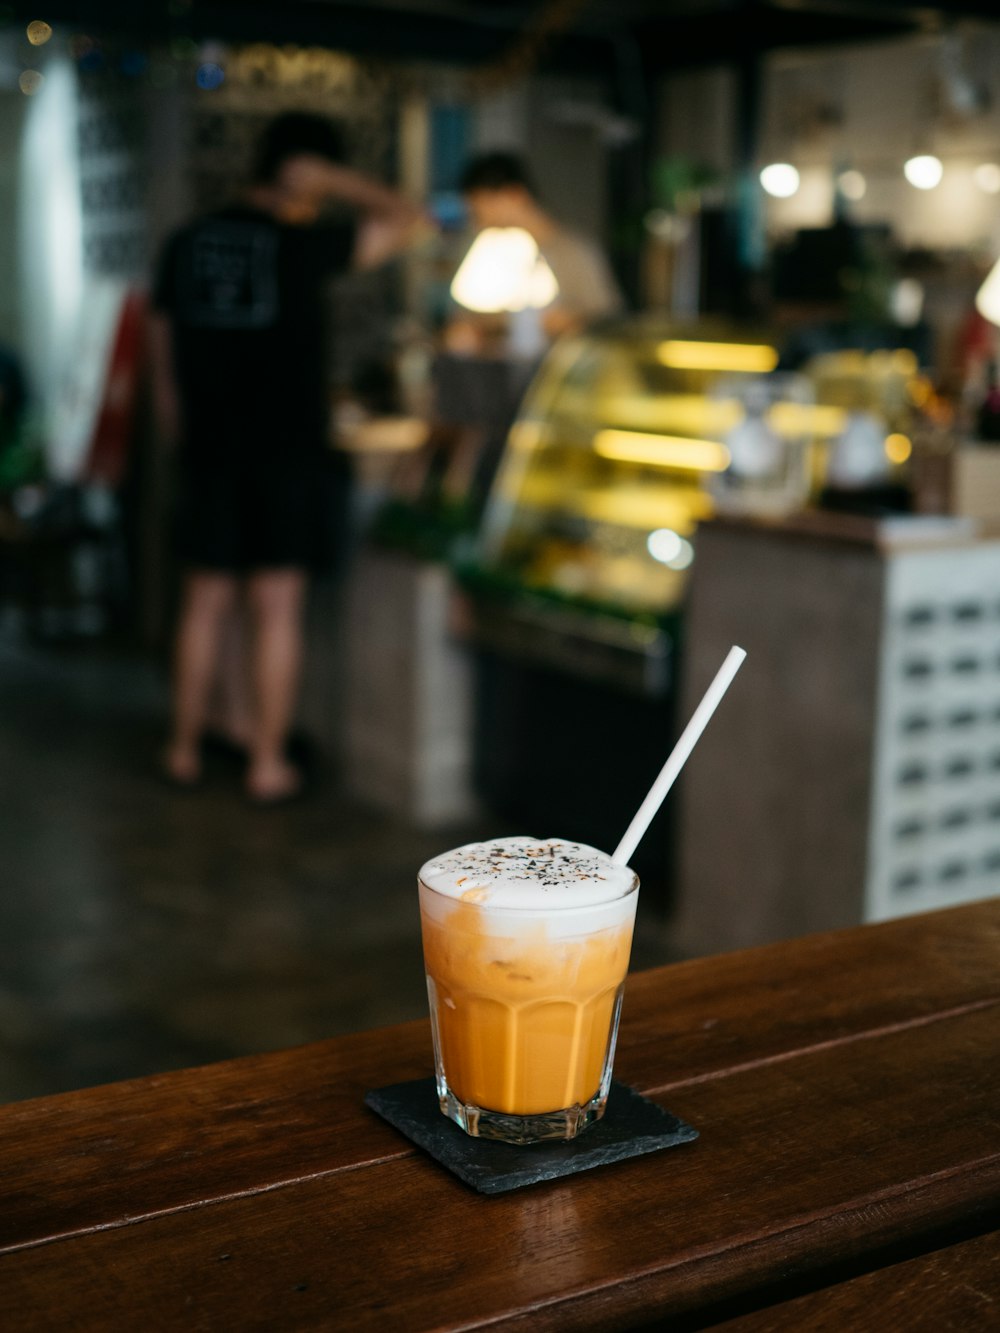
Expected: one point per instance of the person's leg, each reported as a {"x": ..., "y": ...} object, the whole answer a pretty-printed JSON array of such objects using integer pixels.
[
  {"x": 230, "y": 715},
  {"x": 207, "y": 599},
  {"x": 276, "y": 599}
]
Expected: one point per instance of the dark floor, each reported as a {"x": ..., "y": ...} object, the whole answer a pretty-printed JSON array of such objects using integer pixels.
[{"x": 143, "y": 929}]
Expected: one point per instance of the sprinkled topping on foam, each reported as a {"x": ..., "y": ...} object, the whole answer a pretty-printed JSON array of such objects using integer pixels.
[{"x": 526, "y": 872}]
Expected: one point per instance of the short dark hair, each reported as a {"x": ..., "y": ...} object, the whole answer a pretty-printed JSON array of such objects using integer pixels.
[
  {"x": 293, "y": 133},
  {"x": 495, "y": 171}
]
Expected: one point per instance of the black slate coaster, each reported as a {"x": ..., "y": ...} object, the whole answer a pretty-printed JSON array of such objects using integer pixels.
[{"x": 631, "y": 1126}]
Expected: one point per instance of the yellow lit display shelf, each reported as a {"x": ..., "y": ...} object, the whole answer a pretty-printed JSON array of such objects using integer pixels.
[
  {"x": 630, "y": 505},
  {"x": 611, "y": 463},
  {"x": 602, "y": 482}
]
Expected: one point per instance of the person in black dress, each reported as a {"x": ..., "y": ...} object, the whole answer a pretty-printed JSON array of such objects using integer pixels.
[{"x": 239, "y": 375}]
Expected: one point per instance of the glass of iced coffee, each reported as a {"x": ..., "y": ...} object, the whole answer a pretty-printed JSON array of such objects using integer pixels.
[{"x": 526, "y": 948}]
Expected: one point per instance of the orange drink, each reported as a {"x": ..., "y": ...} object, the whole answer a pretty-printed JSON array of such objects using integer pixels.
[{"x": 526, "y": 948}]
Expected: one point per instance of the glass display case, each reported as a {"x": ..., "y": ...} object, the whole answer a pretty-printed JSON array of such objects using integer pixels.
[
  {"x": 588, "y": 526},
  {"x": 628, "y": 438},
  {"x": 602, "y": 482},
  {"x": 634, "y": 432},
  {"x": 870, "y": 403}
]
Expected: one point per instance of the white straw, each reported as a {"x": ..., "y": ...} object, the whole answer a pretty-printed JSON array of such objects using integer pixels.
[{"x": 678, "y": 756}]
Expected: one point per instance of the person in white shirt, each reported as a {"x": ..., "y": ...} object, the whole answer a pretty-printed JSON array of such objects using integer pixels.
[{"x": 499, "y": 192}]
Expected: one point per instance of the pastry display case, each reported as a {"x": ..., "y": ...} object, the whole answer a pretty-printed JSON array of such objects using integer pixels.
[
  {"x": 629, "y": 438},
  {"x": 586, "y": 540},
  {"x": 632, "y": 434}
]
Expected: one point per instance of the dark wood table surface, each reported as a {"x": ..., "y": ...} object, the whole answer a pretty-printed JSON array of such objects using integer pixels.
[{"x": 847, "y": 1091}]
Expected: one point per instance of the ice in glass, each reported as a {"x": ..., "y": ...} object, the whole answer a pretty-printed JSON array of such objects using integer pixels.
[{"x": 526, "y": 948}]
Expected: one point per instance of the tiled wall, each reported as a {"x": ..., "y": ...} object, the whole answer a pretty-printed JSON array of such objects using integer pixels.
[{"x": 935, "y": 834}]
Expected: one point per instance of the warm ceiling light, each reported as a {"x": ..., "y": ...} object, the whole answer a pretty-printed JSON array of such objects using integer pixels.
[
  {"x": 38, "y": 32},
  {"x": 988, "y": 296},
  {"x": 503, "y": 270},
  {"x": 898, "y": 447},
  {"x": 753, "y": 357},
  {"x": 987, "y": 177},
  {"x": 780, "y": 179},
  {"x": 676, "y": 451},
  {"x": 852, "y": 185},
  {"x": 906, "y": 302},
  {"x": 923, "y": 171}
]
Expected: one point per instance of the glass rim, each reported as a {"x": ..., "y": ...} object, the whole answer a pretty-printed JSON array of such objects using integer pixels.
[{"x": 546, "y": 909}]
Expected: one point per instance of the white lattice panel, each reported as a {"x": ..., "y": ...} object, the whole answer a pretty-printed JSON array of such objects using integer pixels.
[{"x": 935, "y": 830}]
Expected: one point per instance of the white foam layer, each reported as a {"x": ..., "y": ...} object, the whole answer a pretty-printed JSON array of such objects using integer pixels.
[{"x": 528, "y": 874}]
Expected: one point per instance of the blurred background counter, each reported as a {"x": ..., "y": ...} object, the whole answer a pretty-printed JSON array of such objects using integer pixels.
[
  {"x": 530, "y": 644},
  {"x": 864, "y": 749},
  {"x": 571, "y": 567}
]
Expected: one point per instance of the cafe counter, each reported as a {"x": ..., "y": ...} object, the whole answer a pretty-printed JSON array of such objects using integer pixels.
[
  {"x": 847, "y": 1170},
  {"x": 855, "y": 772}
]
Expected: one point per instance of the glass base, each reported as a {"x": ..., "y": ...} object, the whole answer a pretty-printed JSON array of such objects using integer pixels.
[{"x": 521, "y": 1129}]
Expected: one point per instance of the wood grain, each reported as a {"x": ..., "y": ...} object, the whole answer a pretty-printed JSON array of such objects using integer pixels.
[
  {"x": 701, "y": 1018},
  {"x": 106, "y": 1156},
  {"x": 954, "y": 1290},
  {"x": 803, "y": 1162},
  {"x": 846, "y": 1087}
]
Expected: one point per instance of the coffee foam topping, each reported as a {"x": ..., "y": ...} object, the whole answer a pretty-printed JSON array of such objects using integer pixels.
[{"x": 528, "y": 873}]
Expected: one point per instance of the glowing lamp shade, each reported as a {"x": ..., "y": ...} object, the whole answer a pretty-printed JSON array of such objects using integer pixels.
[
  {"x": 504, "y": 271},
  {"x": 923, "y": 172},
  {"x": 988, "y": 296},
  {"x": 987, "y": 177},
  {"x": 852, "y": 185},
  {"x": 780, "y": 180}
]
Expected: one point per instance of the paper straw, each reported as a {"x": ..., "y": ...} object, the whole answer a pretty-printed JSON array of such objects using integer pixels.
[{"x": 678, "y": 756}]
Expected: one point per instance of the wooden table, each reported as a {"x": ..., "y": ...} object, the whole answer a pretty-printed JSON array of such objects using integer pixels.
[{"x": 847, "y": 1090}]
